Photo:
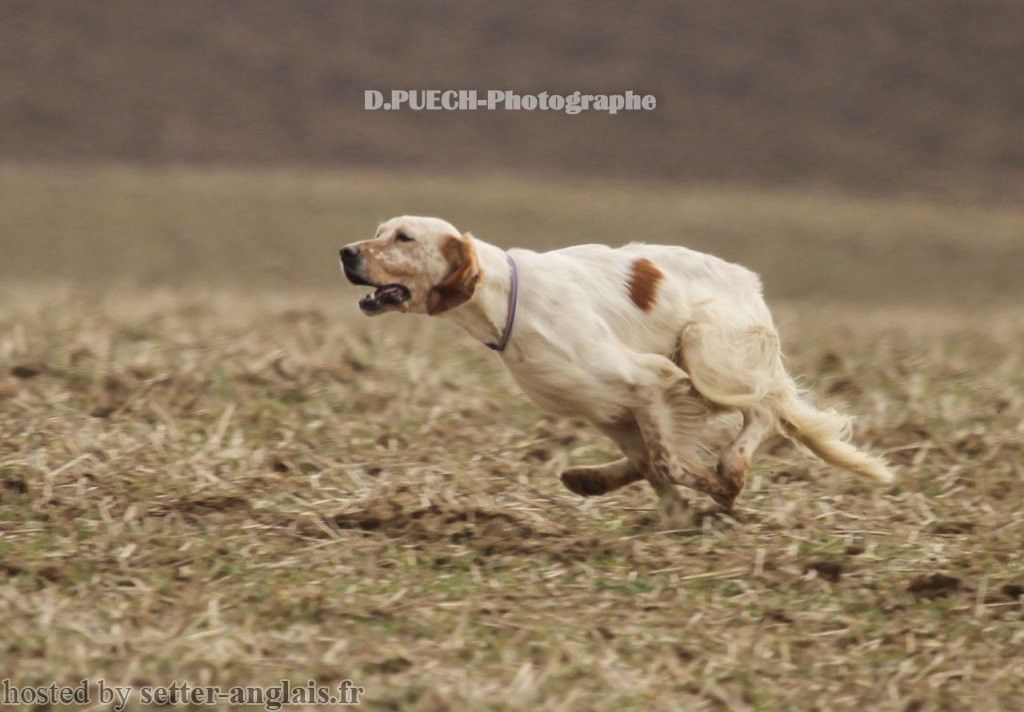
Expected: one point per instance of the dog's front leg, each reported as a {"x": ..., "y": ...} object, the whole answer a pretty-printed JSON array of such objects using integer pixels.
[
  {"x": 602, "y": 479},
  {"x": 669, "y": 465},
  {"x": 665, "y": 470}
]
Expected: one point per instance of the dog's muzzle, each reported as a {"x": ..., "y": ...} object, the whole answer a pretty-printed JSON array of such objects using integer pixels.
[{"x": 384, "y": 296}]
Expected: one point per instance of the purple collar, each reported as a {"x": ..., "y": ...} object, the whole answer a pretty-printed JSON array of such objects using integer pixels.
[{"x": 513, "y": 298}]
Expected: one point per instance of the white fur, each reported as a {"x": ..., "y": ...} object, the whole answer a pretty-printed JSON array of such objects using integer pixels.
[{"x": 652, "y": 380}]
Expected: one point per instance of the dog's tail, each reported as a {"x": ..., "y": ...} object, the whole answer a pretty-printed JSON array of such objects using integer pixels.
[
  {"x": 742, "y": 367},
  {"x": 825, "y": 433}
]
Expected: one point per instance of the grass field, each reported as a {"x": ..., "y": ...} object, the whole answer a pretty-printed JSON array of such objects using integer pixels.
[{"x": 232, "y": 477}]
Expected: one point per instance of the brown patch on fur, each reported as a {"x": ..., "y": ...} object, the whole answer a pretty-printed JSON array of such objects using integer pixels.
[
  {"x": 463, "y": 276},
  {"x": 643, "y": 283}
]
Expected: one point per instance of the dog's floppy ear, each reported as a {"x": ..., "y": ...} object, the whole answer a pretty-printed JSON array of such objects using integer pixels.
[{"x": 463, "y": 275}]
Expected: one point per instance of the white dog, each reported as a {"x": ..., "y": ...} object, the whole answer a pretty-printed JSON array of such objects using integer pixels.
[{"x": 646, "y": 342}]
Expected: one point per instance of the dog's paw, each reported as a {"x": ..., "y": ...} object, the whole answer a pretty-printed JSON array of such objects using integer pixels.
[
  {"x": 584, "y": 482},
  {"x": 731, "y": 478},
  {"x": 725, "y": 501}
]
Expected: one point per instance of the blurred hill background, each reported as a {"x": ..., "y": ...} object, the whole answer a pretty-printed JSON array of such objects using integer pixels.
[
  {"x": 915, "y": 97},
  {"x": 863, "y": 152}
]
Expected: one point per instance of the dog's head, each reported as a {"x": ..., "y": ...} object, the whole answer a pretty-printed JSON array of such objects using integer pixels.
[{"x": 420, "y": 265}]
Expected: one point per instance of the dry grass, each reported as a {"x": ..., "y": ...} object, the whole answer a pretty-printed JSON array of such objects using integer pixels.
[
  {"x": 237, "y": 486},
  {"x": 232, "y": 488}
]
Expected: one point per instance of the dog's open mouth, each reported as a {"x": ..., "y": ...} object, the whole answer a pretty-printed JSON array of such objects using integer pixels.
[{"x": 388, "y": 295}]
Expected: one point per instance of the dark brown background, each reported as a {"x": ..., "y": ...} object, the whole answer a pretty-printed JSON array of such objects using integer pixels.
[{"x": 907, "y": 97}]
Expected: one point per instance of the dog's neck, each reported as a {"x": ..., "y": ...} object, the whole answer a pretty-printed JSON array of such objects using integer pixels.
[{"x": 484, "y": 315}]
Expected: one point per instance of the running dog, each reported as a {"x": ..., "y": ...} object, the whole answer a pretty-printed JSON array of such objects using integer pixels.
[{"x": 649, "y": 343}]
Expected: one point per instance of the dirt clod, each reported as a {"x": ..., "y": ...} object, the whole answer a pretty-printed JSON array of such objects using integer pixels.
[
  {"x": 26, "y": 370},
  {"x": 828, "y": 570},
  {"x": 1013, "y": 591},
  {"x": 934, "y": 586}
]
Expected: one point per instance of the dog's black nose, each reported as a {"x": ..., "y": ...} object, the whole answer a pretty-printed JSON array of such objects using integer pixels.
[{"x": 349, "y": 255}]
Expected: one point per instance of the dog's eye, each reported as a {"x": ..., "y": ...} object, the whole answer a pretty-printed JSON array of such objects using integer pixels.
[{"x": 402, "y": 237}]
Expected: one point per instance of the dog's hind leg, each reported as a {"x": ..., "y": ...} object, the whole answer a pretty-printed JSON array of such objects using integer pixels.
[
  {"x": 735, "y": 458},
  {"x": 733, "y": 366}
]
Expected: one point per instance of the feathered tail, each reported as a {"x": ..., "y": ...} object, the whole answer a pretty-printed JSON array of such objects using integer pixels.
[{"x": 825, "y": 434}]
